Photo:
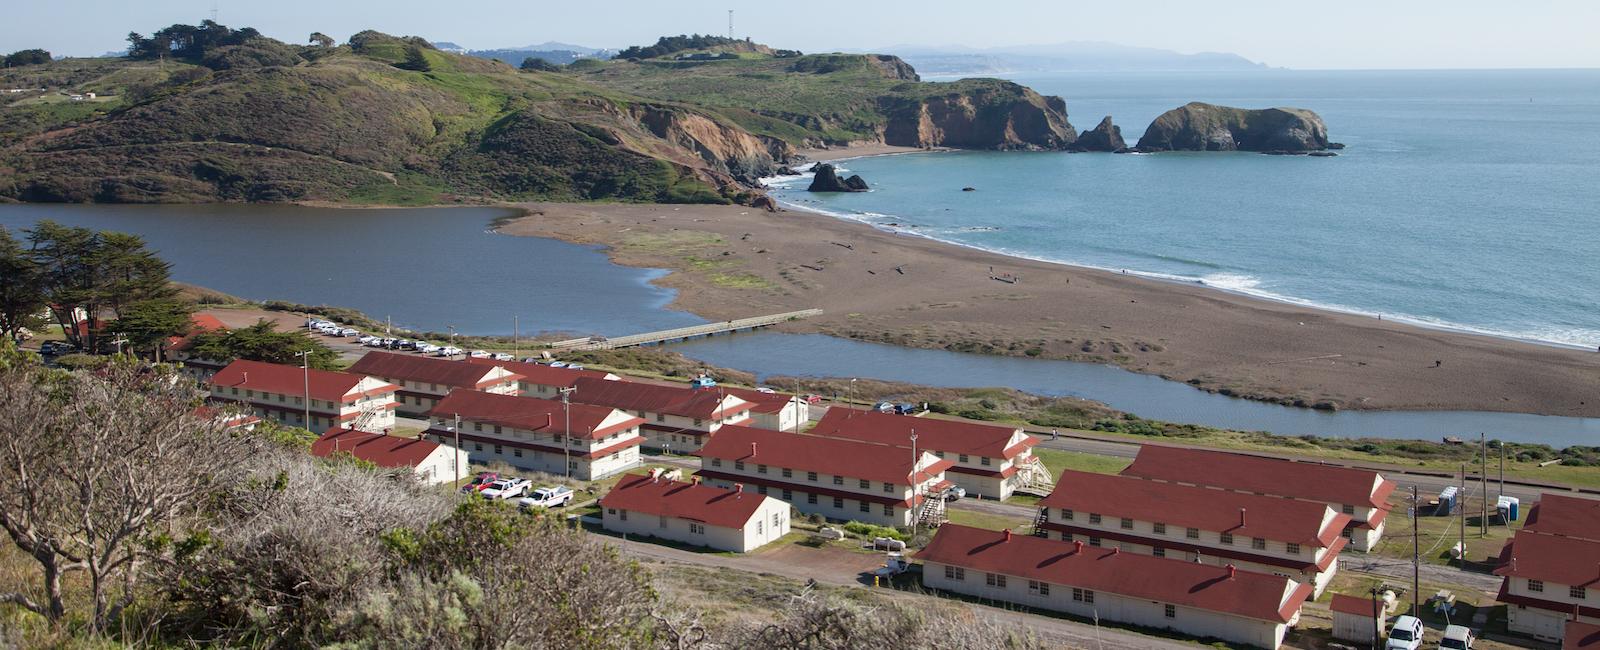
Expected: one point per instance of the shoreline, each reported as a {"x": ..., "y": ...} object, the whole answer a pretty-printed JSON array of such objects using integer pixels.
[{"x": 1240, "y": 345}]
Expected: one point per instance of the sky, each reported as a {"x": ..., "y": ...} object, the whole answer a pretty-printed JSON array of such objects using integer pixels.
[{"x": 1348, "y": 34}]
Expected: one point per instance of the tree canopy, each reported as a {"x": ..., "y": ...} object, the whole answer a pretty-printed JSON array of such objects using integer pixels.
[
  {"x": 25, "y": 57},
  {"x": 148, "y": 324},
  {"x": 187, "y": 41},
  {"x": 84, "y": 274},
  {"x": 669, "y": 44},
  {"x": 415, "y": 61},
  {"x": 263, "y": 342},
  {"x": 540, "y": 65},
  {"x": 22, "y": 291}
]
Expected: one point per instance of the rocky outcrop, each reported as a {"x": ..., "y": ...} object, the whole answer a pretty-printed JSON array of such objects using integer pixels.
[
  {"x": 986, "y": 114},
  {"x": 827, "y": 180},
  {"x": 1106, "y": 137},
  {"x": 722, "y": 147},
  {"x": 1206, "y": 127}
]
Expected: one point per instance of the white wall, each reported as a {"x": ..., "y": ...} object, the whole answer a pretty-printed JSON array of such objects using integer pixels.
[{"x": 756, "y": 532}]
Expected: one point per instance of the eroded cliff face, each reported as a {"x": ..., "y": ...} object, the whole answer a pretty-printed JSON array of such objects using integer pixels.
[
  {"x": 1005, "y": 116},
  {"x": 1205, "y": 127},
  {"x": 721, "y": 147},
  {"x": 1105, "y": 137}
]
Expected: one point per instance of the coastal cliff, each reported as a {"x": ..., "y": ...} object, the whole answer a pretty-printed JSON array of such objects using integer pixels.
[
  {"x": 1006, "y": 116},
  {"x": 1104, "y": 137},
  {"x": 1206, "y": 127}
]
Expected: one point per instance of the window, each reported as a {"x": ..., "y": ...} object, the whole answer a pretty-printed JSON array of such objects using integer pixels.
[
  {"x": 1348, "y": 509},
  {"x": 698, "y": 422},
  {"x": 963, "y": 458},
  {"x": 497, "y": 428},
  {"x": 1171, "y": 611},
  {"x": 811, "y": 498},
  {"x": 888, "y": 510},
  {"x": 838, "y": 480},
  {"x": 787, "y": 495},
  {"x": 1082, "y": 595},
  {"x": 497, "y": 450},
  {"x": 517, "y": 452},
  {"x": 811, "y": 476},
  {"x": 838, "y": 502},
  {"x": 661, "y": 417},
  {"x": 994, "y": 580},
  {"x": 1292, "y": 548},
  {"x": 866, "y": 507},
  {"x": 1536, "y": 586},
  {"x": 1258, "y": 544},
  {"x": 622, "y": 514},
  {"x": 1127, "y": 524},
  {"x": 1066, "y": 536},
  {"x": 761, "y": 469},
  {"x": 1579, "y": 593},
  {"x": 1227, "y": 538},
  {"x": 865, "y": 484},
  {"x": 1094, "y": 517},
  {"x": 777, "y": 520},
  {"x": 1066, "y": 515},
  {"x": 983, "y": 460},
  {"x": 1158, "y": 551},
  {"x": 1094, "y": 541},
  {"x": 477, "y": 446},
  {"x": 716, "y": 462},
  {"x": 888, "y": 487},
  {"x": 611, "y": 511},
  {"x": 760, "y": 527},
  {"x": 738, "y": 464},
  {"x": 477, "y": 426},
  {"x": 1038, "y": 588},
  {"x": 697, "y": 529},
  {"x": 663, "y": 522},
  {"x": 1192, "y": 533},
  {"x": 954, "y": 573},
  {"x": 761, "y": 489}
]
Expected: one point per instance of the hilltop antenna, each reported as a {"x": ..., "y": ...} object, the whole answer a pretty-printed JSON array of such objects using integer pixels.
[
  {"x": 730, "y": 24},
  {"x": 214, "y": 10}
]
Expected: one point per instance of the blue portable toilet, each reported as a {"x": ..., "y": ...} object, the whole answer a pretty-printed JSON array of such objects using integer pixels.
[
  {"x": 703, "y": 382},
  {"x": 1447, "y": 502}
]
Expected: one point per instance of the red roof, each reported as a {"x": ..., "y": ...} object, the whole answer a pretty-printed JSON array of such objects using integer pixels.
[
  {"x": 1559, "y": 514},
  {"x": 808, "y": 453},
  {"x": 1552, "y": 558},
  {"x": 764, "y": 402},
  {"x": 1262, "y": 475},
  {"x": 429, "y": 370},
  {"x": 1357, "y": 605},
  {"x": 1581, "y": 636},
  {"x": 703, "y": 503},
  {"x": 199, "y": 323},
  {"x": 535, "y": 373},
  {"x": 326, "y": 385},
  {"x": 703, "y": 404},
  {"x": 1243, "y": 593},
  {"x": 531, "y": 414},
  {"x": 375, "y": 448},
  {"x": 949, "y": 436},
  {"x": 1275, "y": 518}
]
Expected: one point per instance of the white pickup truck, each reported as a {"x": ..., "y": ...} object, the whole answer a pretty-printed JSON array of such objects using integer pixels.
[
  {"x": 506, "y": 488},
  {"x": 547, "y": 497}
]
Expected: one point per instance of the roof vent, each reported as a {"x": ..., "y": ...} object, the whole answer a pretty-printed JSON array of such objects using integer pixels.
[
  {"x": 549, "y": 420},
  {"x": 738, "y": 490},
  {"x": 697, "y": 480},
  {"x": 1232, "y": 571},
  {"x": 1077, "y": 546},
  {"x": 1241, "y": 517},
  {"x": 1116, "y": 549},
  {"x": 1007, "y": 533},
  {"x": 752, "y": 449}
]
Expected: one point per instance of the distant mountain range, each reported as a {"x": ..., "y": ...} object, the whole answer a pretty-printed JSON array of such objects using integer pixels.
[
  {"x": 1061, "y": 57},
  {"x": 553, "y": 52}
]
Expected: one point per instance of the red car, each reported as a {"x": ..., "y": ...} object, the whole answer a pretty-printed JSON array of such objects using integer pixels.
[
  {"x": 813, "y": 399},
  {"x": 481, "y": 481}
]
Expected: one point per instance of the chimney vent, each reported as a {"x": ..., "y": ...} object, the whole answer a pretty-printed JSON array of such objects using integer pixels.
[
  {"x": 738, "y": 490},
  {"x": 1007, "y": 533},
  {"x": 752, "y": 449},
  {"x": 1232, "y": 571},
  {"x": 1077, "y": 547},
  {"x": 1116, "y": 549},
  {"x": 1241, "y": 517},
  {"x": 696, "y": 480},
  {"x": 549, "y": 420}
]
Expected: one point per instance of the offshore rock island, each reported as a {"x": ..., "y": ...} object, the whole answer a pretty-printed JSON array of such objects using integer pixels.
[{"x": 1206, "y": 127}]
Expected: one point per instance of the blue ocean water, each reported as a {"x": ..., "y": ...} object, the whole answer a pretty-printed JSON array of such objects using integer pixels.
[{"x": 1465, "y": 199}]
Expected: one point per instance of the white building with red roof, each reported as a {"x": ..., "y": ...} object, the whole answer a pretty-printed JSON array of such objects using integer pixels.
[
  {"x": 584, "y": 441},
  {"x": 279, "y": 393},
  {"x": 1362, "y": 494},
  {"x": 774, "y": 410},
  {"x": 431, "y": 461},
  {"x": 837, "y": 478},
  {"x": 423, "y": 381},
  {"x": 677, "y": 418},
  {"x": 177, "y": 347},
  {"x": 1552, "y": 568},
  {"x": 540, "y": 380},
  {"x": 989, "y": 461},
  {"x": 1289, "y": 537},
  {"x": 1198, "y": 600},
  {"x": 726, "y": 519}
]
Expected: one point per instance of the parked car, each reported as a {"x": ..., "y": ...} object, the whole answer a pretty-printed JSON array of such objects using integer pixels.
[
  {"x": 1405, "y": 635},
  {"x": 427, "y": 348},
  {"x": 481, "y": 481},
  {"x": 480, "y": 354},
  {"x": 764, "y": 389},
  {"x": 558, "y": 364},
  {"x": 349, "y": 331},
  {"x": 55, "y": 348},
  {"x": 813, "y": 399},
  {"x": 905, "y": 409},
  {"x": 547, "y": 497},
  {"x": 506, "y": 488},
  {"x": 954, "y": 493},
  {"x": 366, "y": 340},
  {"x": 884, "y": 407},
  {"x": 894, "y": 564},
  {"x": 504, "y": 356},
  {"x": 574, "y": 366},
  {"x": 532, "y": 360},
  {"x": 1457, "y": 637},
  {"x": 448, "y": 351}
]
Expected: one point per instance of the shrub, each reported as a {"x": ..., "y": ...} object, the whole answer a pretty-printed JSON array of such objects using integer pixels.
[{"x": 869, "y": 531}]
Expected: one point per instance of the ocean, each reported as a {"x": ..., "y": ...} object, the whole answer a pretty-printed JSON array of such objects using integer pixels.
[{"x": 1467, "y": 200}]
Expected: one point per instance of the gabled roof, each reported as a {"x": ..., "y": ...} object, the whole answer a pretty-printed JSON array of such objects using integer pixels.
[
  {"x": 762, "y": 402},
  {"x": 1560, "y": 514},
  {"x": 198, "y": 324},
  {"x": 375, "y": 448},
  {"x": 703, "y": 503},
  {"x": 948, "y": 436},
  {"x": 1275, "y": 518},
  {"x": 430, "y": 370},
  {"x": 704, "y": 404},
  {"x": 1243, "y": 593},
  {"x": 808, "y": 453},
  {"x": 533, "y": 414},
  {"x": 1357, "y": 605},
  {"x": 1552, "y": 558},
  {"x": 1581, "y": 636},
  {"x": 1297, "y": 479},
  {"x": 326, "y": 385},
  {"x": 536, "y": 373}
]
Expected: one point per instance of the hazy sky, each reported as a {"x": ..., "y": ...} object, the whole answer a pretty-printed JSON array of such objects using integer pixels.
[{"x": 1343, "y": 34}]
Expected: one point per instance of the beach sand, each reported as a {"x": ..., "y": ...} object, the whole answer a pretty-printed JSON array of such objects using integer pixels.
[
  {"x": 732, "y": 261},
  {"x": 858, "y": 150}
]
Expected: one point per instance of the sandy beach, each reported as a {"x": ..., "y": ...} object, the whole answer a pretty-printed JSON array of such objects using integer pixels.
[
  {"x": 732, "y": 261},
  {"x": 859, "y": 150}
]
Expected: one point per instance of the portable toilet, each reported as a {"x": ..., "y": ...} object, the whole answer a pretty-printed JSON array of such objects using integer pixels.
[
  {"x": 1507, "y": 508},
  {"x": 1447, "y": 502},
  {"x": 702, "y": 382}
]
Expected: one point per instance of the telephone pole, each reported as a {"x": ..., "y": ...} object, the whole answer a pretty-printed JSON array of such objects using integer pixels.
[
  {"x": 1463, "y": 531},
  {"x": 730, "y": 24},
  {"x": 1416, "y": 553},
  {"x": 1483, "y": 480}
]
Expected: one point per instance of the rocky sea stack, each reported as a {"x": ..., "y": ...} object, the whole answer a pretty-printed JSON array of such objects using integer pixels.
[
  {"x": 1206, "y": 127},
  {"x": 1105, "y": 137},
  {"x": 827, "y": 180}
]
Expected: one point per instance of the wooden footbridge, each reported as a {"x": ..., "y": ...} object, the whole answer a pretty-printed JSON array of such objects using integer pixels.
[{"x": 680, "y": 333}]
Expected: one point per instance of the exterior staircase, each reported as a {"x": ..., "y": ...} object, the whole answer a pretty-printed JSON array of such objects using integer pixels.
[{"x": 1033, "y": 478}]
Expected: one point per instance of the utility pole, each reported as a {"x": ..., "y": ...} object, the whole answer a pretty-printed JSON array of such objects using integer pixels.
[
  {"x": 730, "y": 24},
  {"x": 516, "y": 335},
  {"x": 1483, "y": 478},
  {"x": 305, "y": 371},
  {"x": 457, "y": 430},
  {"x": 1377, "y": 619},
  {"x": 566, "y": 414},
  {"x": 1416, "y": 553},
  {"x": 1502, "y": 448},
  {"x": 916, "y": 482},
  {"x": 1463, "y": 531}
]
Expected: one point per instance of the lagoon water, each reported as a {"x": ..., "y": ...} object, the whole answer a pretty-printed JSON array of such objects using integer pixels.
[{"x": 1468, "y": 199}]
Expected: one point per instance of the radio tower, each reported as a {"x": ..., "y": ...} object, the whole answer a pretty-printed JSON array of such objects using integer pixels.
[
  {"x": 730, "y": 24},
  {"x": 214, "y": 10}
]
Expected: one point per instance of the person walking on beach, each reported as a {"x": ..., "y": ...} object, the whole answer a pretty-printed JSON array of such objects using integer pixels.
[{"x": 1054, "y": 434}]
